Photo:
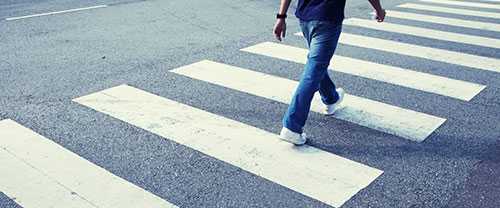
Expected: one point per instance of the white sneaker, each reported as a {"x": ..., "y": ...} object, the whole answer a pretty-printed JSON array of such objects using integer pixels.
[
  {"x": 330, "y": 109},
  {"x": 292, "y": 137}
]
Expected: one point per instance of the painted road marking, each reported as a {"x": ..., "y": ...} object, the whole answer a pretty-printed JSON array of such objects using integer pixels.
[
  {"x": 315, "y": 173},
  {"x": 435, "y": 54},
  {"x": 495, "y": 1},
  {"x": 446, "y": 21},
  {"x": 52, "y": 13},
  {"x": 402, "y": 122},
  {"x": 424, "y": 32},
  {"x": 451, "y": 10},
  {"x": 404, "y": 77},
  {"x": 37, "y": 172},
  {"x": 463, "y": 3}
]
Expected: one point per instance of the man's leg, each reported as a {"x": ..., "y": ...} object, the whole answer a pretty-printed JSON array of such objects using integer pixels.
[
  {"x": 323, "y": 41},
  {"x": 327, "y": 90}
]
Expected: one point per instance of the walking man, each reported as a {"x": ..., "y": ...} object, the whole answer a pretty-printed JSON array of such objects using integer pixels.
[{"x": 321, "y": 25}]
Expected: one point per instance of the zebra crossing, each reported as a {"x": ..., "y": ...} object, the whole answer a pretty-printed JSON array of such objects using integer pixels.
[{"x": 38, "y": 166}]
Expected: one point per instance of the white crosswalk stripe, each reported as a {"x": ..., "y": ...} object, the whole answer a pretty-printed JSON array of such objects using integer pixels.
[
  {"x": 421, "y": 81},
  {"x": 308, "y": 170},
  {"x": 443, "y": 20},
  {"x": 477, "y": 1},
  {"x": 495, "y": 1},
  {"x": 41, "y": 173},
  {"x": 435, "y": 54},
  {"x": 424, "y": 32},
  {"x": 463, "y": 3},
  {"x": 465, "y": 12},
  {"x": 402, "y": 122}
]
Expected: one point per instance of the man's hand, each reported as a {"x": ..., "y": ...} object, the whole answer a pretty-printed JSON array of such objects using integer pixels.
[
  {"x": 380, "y": 15},
  {"x": 280, "y": 29}
]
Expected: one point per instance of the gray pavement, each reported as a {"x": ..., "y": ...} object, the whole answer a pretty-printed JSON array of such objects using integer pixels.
[
  {"x": 45, "y": 62},
  {"x": 482, "y": 187}
]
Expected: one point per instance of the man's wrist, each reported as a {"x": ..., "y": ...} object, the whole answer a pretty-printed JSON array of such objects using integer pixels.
[{"x": 281, "y": 16}]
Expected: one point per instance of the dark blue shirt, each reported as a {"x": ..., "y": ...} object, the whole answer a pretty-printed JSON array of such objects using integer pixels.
[{"x": 329, "y": 10}]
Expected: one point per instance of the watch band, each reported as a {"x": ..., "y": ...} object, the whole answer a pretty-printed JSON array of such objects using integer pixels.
[{"x": 281, "y": 16}]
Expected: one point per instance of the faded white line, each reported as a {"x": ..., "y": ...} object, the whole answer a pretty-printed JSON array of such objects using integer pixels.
[
  {"x": 463, "y": 3},
  {"x": 37, "y": 172},
  {"x": 313, "y": 172},
  {"x": 446, "y": 21},
  {"x": 387, "y": 118},
  {"x": 404, "y": 77},
  {"x": 451, "y": 10},
  {"x": 435, "y": 54},
  {"x": 57, "y": 12},
  {"x": 494, "y": 1},
  {"x": 477, "y": 1},
  {"x": 424, "y": 32}
]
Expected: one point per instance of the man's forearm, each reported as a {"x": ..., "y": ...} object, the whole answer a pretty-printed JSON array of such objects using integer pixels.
[
  {"x": 284, "y": 6},
  {"x": 376, "y": 4}
]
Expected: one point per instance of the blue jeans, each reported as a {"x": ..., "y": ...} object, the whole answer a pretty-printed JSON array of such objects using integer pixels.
[{"x": 322, "y": 38}]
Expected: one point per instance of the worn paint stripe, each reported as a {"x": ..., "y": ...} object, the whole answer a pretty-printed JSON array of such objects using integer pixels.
[
  {"x": 424, "y": 32},
  {"x": 435, "y": 54},
  {"x": 463, "y": 3},
  {"x": 37, "y": 172},
  {"x": 387, "y": 118},
  {"x": 445, "y": 21},
  {"x": 399, "y": 76},
  {"x": 440, "y": 9},
  {"x": 308, "y": 170}
]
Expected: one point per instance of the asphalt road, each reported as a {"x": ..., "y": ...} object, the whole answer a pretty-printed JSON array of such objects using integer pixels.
[{"x": 46, "y": 62}]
